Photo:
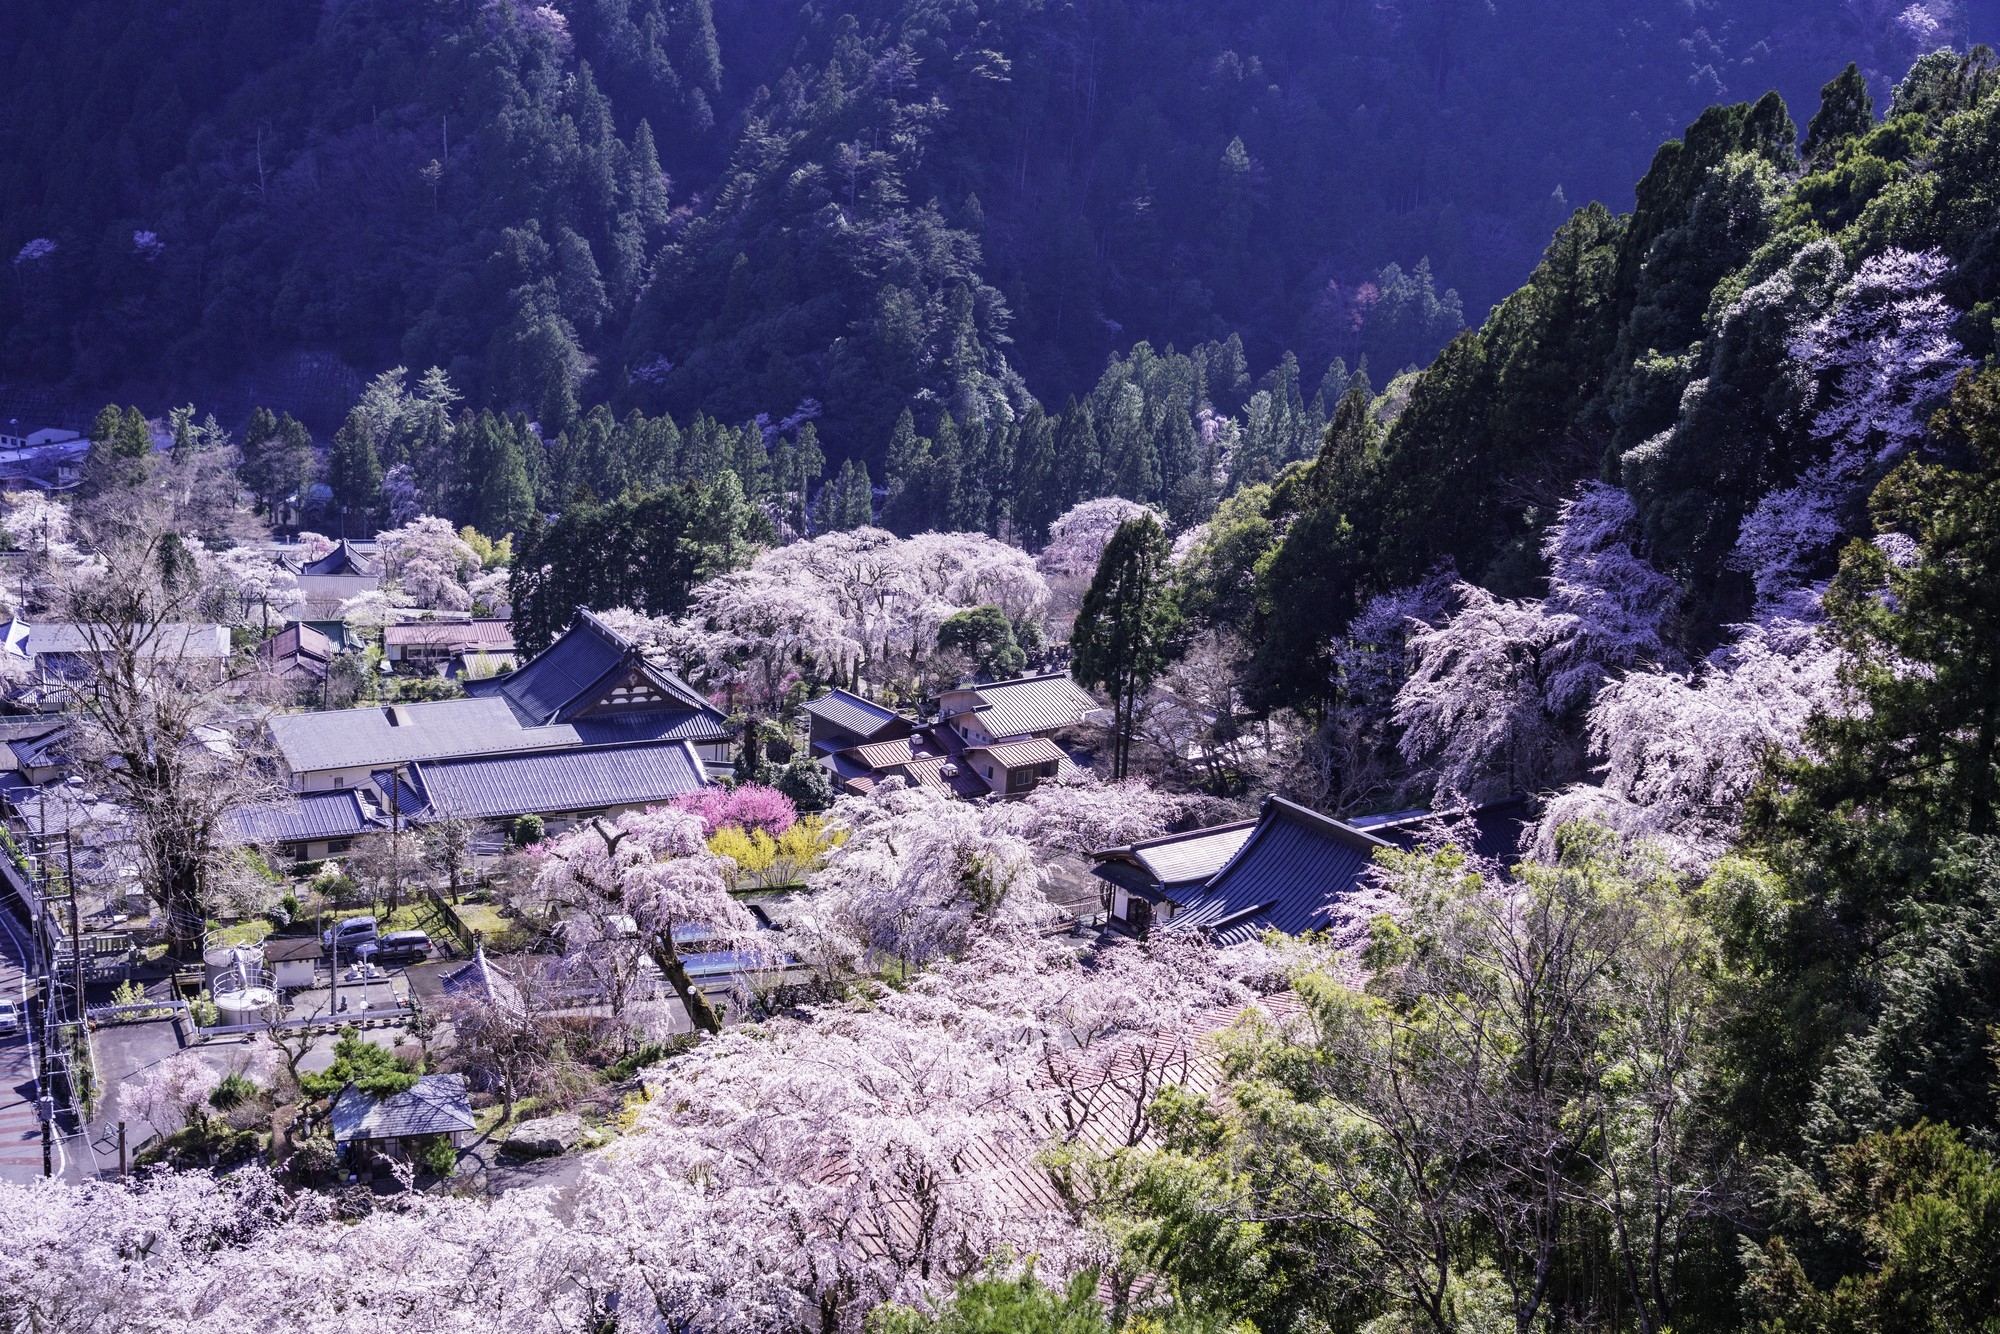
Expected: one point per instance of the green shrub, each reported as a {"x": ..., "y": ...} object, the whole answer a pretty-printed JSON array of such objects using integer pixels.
[
  {"x": 528, "y": 831},
  {"x": 441, "y": 1158},
  {"x": 233, "y": 1091},
  {"x": 374, "y": 1070}
]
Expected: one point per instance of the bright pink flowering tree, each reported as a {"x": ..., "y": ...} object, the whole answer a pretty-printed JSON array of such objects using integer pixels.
[{"x": 748, "y": 806}]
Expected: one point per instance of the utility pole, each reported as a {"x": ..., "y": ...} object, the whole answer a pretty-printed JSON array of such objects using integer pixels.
[
  {"x": 121, "y": 1150},
  {"x": 395, "y": 837},
  {"x": 75, "y": 926}
]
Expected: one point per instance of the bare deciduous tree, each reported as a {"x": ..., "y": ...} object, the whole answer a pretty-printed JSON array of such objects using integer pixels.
[{"x": 171, "y": 731}]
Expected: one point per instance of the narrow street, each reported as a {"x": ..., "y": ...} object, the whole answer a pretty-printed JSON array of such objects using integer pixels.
[{"x": 20, "y": 1128}]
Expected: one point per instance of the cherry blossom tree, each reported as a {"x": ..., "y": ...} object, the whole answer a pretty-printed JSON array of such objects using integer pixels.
[
  {"x": 747, "y": 806},
  {"x": 38, "y": 526},
  {"x": 1882, "y": 357},
  {"x": 428, "y": 561},
  {"x": 1077, "y": 539},
  {"x": 253, "y": 580},
  {"x": 918, "y": 877},
  {"x": 1492, "y": 691},
  {"x": 1681, "y": 752},
  {"x": 654, "y": 868},
  {"x": 169, "y": 1095},
  {"x": 1084, "y": 814},
  {"x": 847, "y": 605}
]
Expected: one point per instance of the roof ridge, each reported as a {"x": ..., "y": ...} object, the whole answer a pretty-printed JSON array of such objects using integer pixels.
[{"x": 1160, "y": 840}]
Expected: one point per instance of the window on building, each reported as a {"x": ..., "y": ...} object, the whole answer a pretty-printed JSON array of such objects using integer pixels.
[{"x": 340, "y": 780}]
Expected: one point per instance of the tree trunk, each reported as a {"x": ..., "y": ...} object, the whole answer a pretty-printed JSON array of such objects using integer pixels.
[{"x": 700, "y": 1013}]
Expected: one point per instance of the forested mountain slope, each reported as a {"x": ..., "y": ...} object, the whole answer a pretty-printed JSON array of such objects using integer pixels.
[{"x": 733, "y": 209}]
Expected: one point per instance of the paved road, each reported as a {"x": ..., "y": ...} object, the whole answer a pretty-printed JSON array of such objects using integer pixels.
[{"x": 20, "y": 1128}]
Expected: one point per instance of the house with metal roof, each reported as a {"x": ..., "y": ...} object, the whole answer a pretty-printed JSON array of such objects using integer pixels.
[
  {"x": 310, "y": 826},
  {"x": 429, "y": 645},
  {"x": 988, "y": 740},
  {"x": 341, "y": 573},
  {"x": 1294, "y": 866},
  {"x": 1281, "y": 872},
  {"x": 299, "y": 652},
  {"x": 591, "y": 689},
  {"x": 840, "y": 720},
  {"x": 58, "y": 651}
]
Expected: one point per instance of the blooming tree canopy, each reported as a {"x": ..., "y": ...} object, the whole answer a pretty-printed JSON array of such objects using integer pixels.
[
  {"x": 170, "y": 1094},
  {"x": 1078, "y": 537},
  {"x": 654, "y": 868},
  {"x": 430, "y": 563},
  {"x": 1883, "y": 358}
]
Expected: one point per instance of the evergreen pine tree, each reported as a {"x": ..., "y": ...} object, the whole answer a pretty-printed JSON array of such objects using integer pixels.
[
  {"x": 1846, "y": 112},
  {"x": 906, "y": 472},
  {"x": 1125, "y": 632},
  {"x": 354, "y": 472}
]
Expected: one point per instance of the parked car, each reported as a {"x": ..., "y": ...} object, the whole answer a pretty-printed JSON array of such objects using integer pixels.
[
  {"x": 10, "y": 1017},
  {"x": 351, "y": 932},
  {"x": 403, "y": 947}
]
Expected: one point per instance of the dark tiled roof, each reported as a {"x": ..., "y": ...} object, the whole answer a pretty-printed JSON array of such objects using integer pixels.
[
  {"x": 296, "y": 638},
  {"x": 557, "y": 781},
  {"x": 41, "y": 751},
  {"x": 315, "y": 815},
  {"x": 1032, "y": 704},
  {"x": 436, "y": 1106},
  {"x": 573, "y": 673},
  {"x": 1498, "y": 827},
  {"x": 861, "y": 718},
  {"x": 1295, "y": 863},
  {"x": 343, "y": 559}
]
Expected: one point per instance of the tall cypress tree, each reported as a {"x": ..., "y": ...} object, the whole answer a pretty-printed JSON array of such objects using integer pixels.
[
  {"x": 354, "y": 471},
  {"x": 1125, "y": 634}
]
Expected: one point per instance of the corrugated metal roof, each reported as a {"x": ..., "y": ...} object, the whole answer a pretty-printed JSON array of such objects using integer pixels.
[
  {"x": 962, "y": 782},
  {"x": 1294, "y": 865},
  {"x": 851, "y": 713},
  {"x": 315, "y": 815},
  {"x": 456, "y": 728},
  {"x": 436, "y": 1106},
  {"x": 572, "y": 780},
  {"x": 204, "y": 642},
  {"x": 889, "y": 754},
  {"x": 456, "y": 635},
  {"x": 1020, "y": 754},
  {"x": 1032, "y": 704}
]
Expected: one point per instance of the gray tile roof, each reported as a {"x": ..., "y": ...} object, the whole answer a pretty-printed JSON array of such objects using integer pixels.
[
  {"x": 177, "y": 640},
  {"x": 861, "y": 718},
  {"x": 573, "y": 674},
  {"x": 351, "y": 738},
  {"x": 1294, "y": 865},
  {"x": 315, "y": 815},
  {"x": 558, "y": 781},
  {"x": 436, "y": 1106},
  {"x": 1032, "y": 704},
  {"x": 1184, "y": 861}
]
